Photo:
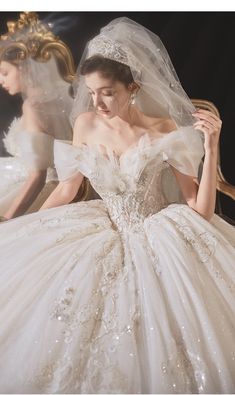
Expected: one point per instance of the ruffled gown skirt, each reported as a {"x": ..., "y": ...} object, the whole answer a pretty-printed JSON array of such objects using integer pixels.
[{"x": 87, "y": 307}]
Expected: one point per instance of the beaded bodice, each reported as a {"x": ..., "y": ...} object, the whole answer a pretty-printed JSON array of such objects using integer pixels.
[{"x": 132, "y": 197}]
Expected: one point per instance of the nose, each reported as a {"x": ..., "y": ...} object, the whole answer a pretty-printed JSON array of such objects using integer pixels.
[{"x": 96, "y": 100}]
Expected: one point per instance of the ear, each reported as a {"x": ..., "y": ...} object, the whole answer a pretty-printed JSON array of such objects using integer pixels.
[{"x": 133, "y": 87}]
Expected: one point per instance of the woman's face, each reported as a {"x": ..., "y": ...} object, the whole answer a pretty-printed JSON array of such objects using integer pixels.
[
  {"x": 110, "y": 98},
  {"x": 10, "y": 77}
]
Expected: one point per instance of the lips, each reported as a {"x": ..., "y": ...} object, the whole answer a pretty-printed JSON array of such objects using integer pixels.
[{"x": 103, "y": 111}]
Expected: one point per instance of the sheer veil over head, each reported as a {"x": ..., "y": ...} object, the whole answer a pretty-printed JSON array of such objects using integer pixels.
[
  {"x": 160, "y": 94},
  {"x": 128, "y": 42}
]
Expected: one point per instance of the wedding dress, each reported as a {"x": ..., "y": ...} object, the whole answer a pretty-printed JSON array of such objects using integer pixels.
[
  {"x": 128, "y": 294},
  {"x": 29, "y": 151}
]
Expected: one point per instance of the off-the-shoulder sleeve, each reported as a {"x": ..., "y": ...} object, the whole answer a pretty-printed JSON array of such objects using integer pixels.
[
  {"x": 183, "y": 149},
  {"x": 36, "y": 149},
  {"x": 65, "y": 158}
]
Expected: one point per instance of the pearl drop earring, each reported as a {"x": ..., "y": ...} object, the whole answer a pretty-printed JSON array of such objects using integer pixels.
[{"x": 132, "y": 98}]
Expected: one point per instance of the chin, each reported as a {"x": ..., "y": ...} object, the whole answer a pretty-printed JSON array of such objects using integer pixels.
[
  {"x": 12, "y": 92},
  {"x": 109, "y": 115},
  {"x": 105, "y": 114}
]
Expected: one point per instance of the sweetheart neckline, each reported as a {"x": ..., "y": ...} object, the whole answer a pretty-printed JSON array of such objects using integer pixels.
[{"x": 110, "y": 155}]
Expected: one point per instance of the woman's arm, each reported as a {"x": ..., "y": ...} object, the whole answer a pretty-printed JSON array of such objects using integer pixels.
[
  {"x": 28, "y": 193},
  {"x": 36, "y": 179},
  {"x": 64, "y": 193},
  {"x": 202, "y": 197}
]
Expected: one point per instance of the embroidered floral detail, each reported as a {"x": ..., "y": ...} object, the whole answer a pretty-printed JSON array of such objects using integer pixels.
[
  {"x": 97, "y": 323},
  {"x": 129, "y": 209},
  {"x": 202, "y": 244}
]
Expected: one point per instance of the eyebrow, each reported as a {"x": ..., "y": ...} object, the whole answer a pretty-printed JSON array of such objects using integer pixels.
[{"x": 102, "y": 87}]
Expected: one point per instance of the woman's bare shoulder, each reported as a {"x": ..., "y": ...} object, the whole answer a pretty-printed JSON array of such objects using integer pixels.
[{"x": 83, "y": 127}]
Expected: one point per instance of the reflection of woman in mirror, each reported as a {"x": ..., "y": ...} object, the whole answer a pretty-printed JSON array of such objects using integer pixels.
[{"x": 27, "y": 176}]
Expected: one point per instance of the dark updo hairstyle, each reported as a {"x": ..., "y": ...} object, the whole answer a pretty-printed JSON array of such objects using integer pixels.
[
  {"x": 108, "y": 68},
  {"x": 11, "y": 54}
]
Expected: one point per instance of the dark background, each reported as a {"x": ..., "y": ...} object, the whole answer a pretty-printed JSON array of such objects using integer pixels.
[{"x": 200, "y": 44}]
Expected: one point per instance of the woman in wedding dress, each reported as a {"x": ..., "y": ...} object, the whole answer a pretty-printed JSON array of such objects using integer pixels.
[
  {"x": 28, "y": 176},
  {"x": 133, "y": 293}
]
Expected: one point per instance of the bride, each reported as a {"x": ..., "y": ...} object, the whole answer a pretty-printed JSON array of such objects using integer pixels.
[
  {"x": 133, "y": 293},
  {"x": 28, "y": 177}
]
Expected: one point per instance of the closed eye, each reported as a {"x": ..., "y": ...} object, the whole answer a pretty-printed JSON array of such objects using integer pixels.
[{"x": 108, "y": 94}]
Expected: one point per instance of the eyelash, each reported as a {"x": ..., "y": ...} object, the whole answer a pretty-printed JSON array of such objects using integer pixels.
[{"x": 104, "y": 94}]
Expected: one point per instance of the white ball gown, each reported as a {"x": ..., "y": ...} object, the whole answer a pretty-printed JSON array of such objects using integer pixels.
[
  {"x": 122, "y": 295},
  {"x": 29, "y": 150}
]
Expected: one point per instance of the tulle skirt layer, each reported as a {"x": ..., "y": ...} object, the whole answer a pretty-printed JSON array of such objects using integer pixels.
[{"x": 86, "y": 308}]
